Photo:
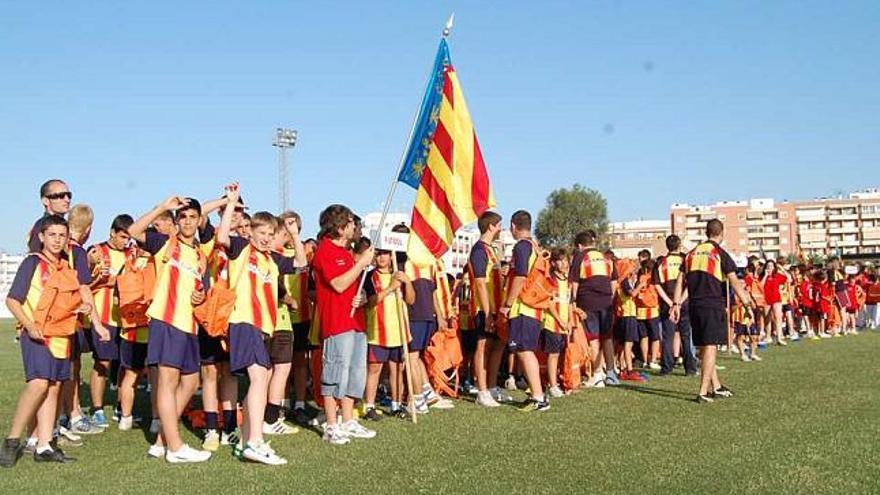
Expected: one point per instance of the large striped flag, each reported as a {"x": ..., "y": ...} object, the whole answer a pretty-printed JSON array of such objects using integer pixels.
[{"x": 444, "y": 163}]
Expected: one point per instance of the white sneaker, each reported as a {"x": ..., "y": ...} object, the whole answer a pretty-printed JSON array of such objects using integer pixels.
[
  {"x": 156, "y": 452},
  {"x": 500, "y": 395},
  {"x": 230, "y": 438},
  {"x": 825, "y": 335},
  {"x": 485, "y": 399},
  {"x": 66, "y": 433},
  {"x": 510, "y": 383},
  {"x": 794, "y": 337},
  {"x": 355, "y": 430},
  {"x": 555, "y": 392},
  {"x": 441, "y": 403},
  {"x": 757, "y": 358},
  {"x": 155, "y": 426},
  {"x": 279, "y": 428},
  {"x": 596, "y": 381},
  {"x": 125, "y": 423},
  {"x": 262, "y": 453},
  {"x": 187, "y": 454},
  {"x": 334, "y": 436},
  {"x": 745, "y": 357},
  {"x": 654, "y": 366}
]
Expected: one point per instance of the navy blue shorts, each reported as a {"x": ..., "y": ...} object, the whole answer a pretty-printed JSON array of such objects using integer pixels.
[
  {"x": 421, "y": 332},
  {"x": 598, "y": 323},
  {"x": 740, "y": 329},
  {"x": 629, "y": 326},
  {"x": 247, "y": 346},
  {"x": 381, "y": 354},
  {"x": 132, "y": 355},
  {"x": 650, "y": 329},
  {"x": 39, "y": 362},
  {"x": 80, "y": 344},
  {"x": 173, "y": 348},
  {"x": 524, "y": 334},
  {"x": 105, "y": 351},
  {"x": 553, "y": 343},
  {"x": 211, "y": 349},
  {"x": 469, "y": 340},
  {"x": 301, "y": 336}
]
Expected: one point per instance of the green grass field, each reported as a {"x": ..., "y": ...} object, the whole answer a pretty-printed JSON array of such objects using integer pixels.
[{"x": 805, "y": 420}]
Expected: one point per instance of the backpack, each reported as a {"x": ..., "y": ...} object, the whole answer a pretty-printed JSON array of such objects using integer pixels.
[
  {"x": 537, "y": 291},
  {"x": 213, "y": 314},
  {"x": 647, "y": 296},
  {"x": 576, "y": 361},
  {"x": 443, "y": 357},
  {"x": 134, "y": 288},
  {"x": 57, "y": 313}
]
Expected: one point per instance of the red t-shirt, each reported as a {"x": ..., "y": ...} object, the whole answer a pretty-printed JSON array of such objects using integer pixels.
[
  {"x": 331, "y": 261},
  {"x": 771, "y": 288}
]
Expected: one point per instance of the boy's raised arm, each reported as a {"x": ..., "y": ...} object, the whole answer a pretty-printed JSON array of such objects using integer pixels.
[
  {"x": 233, "y": 192},
  {"x": 138, "y": 229}
]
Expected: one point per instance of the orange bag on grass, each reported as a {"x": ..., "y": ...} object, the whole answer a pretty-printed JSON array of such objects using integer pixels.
[
  {"x": 57, "y": 308},
  {"x": 577, "y": 355},
  {"x": 443, "y": 357}
]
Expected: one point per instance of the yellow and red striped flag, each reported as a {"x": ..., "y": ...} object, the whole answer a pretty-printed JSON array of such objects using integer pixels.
[{"x": 445, "y": 165}]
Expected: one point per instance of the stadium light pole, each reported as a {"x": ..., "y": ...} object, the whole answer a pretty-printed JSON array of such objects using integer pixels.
[{"x": 284, "y": 140}]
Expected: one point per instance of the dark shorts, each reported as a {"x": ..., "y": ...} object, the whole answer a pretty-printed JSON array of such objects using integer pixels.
[
  {"x": 650, "y": 329},
  {"x": 301, "y": 336},
  {"x": 381, "y": 354},
  {"x": 629, "y": 326},
  {"x": 132, "y": 355},
  {"x": 524, "y": 334},
  {"x": 709, "y": 326},
  {"x": 39, "y": 362},
  {"x": 786, "y": 308},
  {"x": 553, "y": 343},
  {"x": 740, "y": 329},
  {"x": 80, "y": 344},
  {"x": 173, "y": 348},
  {"x": 211, "y": 349},
  {"x": 598, "y": 323},
  {"x": 421, "y": 332},
  {"x": 469, "y": 340},
  {"x": 247, "y": 346},
  {"x": 105, "y": 351},
  {"x": 281, "y": 347}
]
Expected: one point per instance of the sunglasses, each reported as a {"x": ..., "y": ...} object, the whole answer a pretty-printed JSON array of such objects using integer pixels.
[{"x": 60, "y": 195}]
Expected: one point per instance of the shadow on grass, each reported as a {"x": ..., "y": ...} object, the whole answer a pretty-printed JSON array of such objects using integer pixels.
[{"x": 669, "y": 394}]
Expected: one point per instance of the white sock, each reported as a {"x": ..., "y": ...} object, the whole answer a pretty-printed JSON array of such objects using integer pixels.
[
  {"x": 395, "y": 406},
  {"x": 539, "y": 398},
  {"x": 47, "y": 448},
  {"x": 285, "y": 403},
  {"x": 32, "y": 442},
  {"x": 299, "y": 405},
  {"x": 367, "y": 407}
]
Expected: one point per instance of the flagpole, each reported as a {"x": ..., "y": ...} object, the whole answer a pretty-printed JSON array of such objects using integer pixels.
[{"x": 447, "y": 30}]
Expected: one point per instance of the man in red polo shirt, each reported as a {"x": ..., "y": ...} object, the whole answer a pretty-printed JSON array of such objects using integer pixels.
[{"x": 337, "y": 275}]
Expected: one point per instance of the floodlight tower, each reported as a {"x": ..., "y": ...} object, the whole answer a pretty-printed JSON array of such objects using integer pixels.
[{"x": 284, "y": 140}]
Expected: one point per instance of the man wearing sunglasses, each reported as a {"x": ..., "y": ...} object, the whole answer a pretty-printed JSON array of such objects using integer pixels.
[{"x": 56, "y": 198}]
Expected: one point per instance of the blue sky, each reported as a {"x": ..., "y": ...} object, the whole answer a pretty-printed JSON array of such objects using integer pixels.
[{"x": 649, "y": 102}]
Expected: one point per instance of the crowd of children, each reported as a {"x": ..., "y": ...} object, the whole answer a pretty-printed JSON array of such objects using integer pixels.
[{"x": 172, "y": 305}]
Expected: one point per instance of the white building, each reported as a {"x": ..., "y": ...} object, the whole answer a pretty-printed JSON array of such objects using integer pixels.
[{"x": 9, "y": 264}]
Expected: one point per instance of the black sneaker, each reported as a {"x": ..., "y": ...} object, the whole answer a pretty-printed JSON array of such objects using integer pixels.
[
  {"x": 722, "y": 393},
  {"x": 10, "y": 452},
  {"x": 400, "y": 413},
  {"x": 542, "y": 406},
  {"x": 704, "y": 399},
  {"x": 372, "y": 414},
  {"x": 53, "y": 455},
  {"x": 301, "y": 417}
]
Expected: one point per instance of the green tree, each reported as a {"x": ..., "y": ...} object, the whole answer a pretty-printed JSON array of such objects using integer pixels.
[{"x": 569, "y": 211}]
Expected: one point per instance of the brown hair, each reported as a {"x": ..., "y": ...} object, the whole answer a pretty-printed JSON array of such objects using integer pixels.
[
  {"x": 488, "y": 219},
  {"x": 264, "y": 218},
  {"x": 334, "y": 218}
]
